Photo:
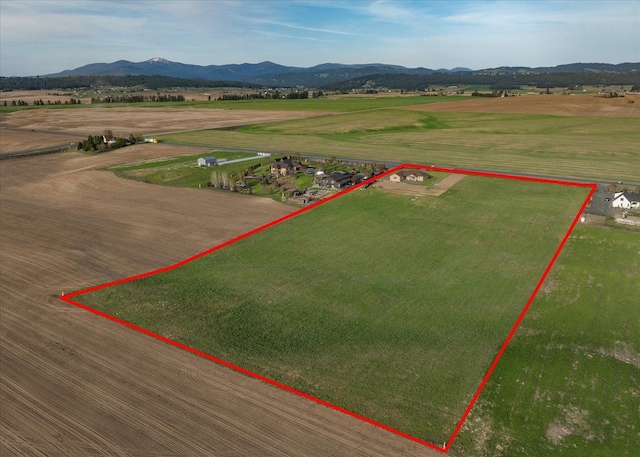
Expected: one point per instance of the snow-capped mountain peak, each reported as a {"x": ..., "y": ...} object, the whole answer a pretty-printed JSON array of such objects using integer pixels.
[{"x": 158, "y": 60}]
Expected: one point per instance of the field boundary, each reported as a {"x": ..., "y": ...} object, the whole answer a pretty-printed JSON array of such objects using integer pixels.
[{"x": 68, "y": 298}]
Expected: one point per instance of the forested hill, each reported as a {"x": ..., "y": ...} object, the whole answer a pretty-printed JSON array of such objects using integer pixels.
[
  {"x": 325, "y": 76},
  {"x": 142, "y": 81},
  {"x": 496, "y": 81},
  {"x": 628, "y": 67},
  {"x": 269, "y": 74}
]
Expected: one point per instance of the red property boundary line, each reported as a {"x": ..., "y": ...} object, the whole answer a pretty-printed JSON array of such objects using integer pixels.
[{"x": 68, "y": 297}]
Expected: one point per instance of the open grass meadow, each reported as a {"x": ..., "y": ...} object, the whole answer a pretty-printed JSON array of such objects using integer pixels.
[
  {"x": 569, "y": 382},
  {"x": 388, "y": 307},
  {"x": 335, "y": 103},
  {"x": 602, "y": 148}
]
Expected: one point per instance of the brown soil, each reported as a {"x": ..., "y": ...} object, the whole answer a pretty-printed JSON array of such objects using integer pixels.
[
  {"x": 52, "y": 95},
  {"x": 73, "y": 383},
  {"x": 559, "y": 105},
  {"x": 21, "y": 127},
  {"x": 445, "y": 184}
]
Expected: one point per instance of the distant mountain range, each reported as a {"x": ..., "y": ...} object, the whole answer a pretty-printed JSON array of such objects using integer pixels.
[
  {"x": 272, "y": 74},
  {"x": 263, "y": 73}
]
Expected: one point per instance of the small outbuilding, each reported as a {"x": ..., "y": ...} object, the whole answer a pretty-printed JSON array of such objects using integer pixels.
[{"x": 207, "y": 161}]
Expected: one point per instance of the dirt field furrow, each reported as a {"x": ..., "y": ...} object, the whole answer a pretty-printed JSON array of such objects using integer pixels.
[
  {"x": 556, "y": 105},
  {"x": 36, "y": 129},
  {"x": 74, "y": 383}
]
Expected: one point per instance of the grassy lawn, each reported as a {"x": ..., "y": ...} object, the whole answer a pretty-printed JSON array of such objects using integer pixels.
[
  {"x": 583, "y": 147},
  {"x": 389, "y": 308},
  {"x": 569, "y": 383}
]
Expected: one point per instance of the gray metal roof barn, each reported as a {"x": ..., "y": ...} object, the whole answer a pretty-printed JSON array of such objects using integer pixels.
[{"x": 207, "y": 161}]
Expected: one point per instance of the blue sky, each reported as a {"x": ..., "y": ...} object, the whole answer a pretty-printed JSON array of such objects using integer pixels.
[{"x": 46, "y": 36}]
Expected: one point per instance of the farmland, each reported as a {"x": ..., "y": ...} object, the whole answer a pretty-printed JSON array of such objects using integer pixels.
[
  {"x": 542, "y": 143},
  {"x": 182, "y": 171},
  {"x": 568, "y": 383},
  {"x": 394, "y": 310},
  {"x": 74, "y": 384}
]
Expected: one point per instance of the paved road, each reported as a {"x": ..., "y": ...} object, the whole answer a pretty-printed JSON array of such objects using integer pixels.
[{"x": 599, "y": 205}]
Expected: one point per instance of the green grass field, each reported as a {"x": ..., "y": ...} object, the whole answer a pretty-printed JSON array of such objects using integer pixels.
[
  {"x": 337, "y": 104},
  {"x": 582, "y": 147},
  {"x": 388, "y": 307},
  {"x": 183, "y": 171},
  {"x": 569, "y": 383}
]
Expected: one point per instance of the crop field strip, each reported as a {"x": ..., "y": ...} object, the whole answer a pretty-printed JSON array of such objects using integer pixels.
[
  {"x": 372, "y": 344},
  {"x": 539, "y": 143}
]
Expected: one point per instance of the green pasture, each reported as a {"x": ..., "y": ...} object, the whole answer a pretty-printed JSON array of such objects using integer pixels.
[
  {"x": 183, "y": 160},
  {"x": 183, "y": 173},
  {"x": 580, "y": 147},
  {"x": 569, "y": 383},
  {"x": 388, "y": 307},
  {"x": 334, "y": 103},
  {"x": 477, "y": 87}
]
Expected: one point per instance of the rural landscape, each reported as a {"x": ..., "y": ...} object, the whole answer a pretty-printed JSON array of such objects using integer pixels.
[
  {"x": 413, "y": 258},
  {"x": 561, "y": 386}
]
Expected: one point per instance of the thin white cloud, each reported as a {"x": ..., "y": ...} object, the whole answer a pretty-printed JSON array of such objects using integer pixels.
[
  {"x": 301, "y": 27},
  {"x": 294, "y": 37},
  {"x": 46, "y": 36}
]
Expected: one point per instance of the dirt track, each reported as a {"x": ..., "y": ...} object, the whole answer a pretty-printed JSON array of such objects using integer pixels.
[
  {"x": 74, "y": 383},
  {"x": 559, "y": 105}
]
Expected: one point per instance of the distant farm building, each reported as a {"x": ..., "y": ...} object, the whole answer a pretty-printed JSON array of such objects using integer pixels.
[
  {"x": 626, "y": 200},
  {"x": 408, "y": 175},
  {"x": 207, "y": 161}
]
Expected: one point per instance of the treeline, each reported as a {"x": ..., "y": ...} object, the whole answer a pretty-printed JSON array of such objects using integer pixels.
[
  {"x": 40, "y": 102},
  {"x": 498, "y": 81},
  {"x": 137, "y": 98},
  {"x": 494, "y": 93},
  {"x": 101, "y": 143},
  {"x": 270, "y": 95},
  {"x": 77, "y": 82}
]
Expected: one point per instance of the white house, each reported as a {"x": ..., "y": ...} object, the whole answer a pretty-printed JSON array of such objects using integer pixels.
[
  {"x": 626, "y": 200},
  {"x": 207, "y": 161}
]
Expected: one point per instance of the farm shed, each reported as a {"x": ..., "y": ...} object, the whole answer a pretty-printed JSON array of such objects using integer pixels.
[
  {"x": 207, "y": 161},
  {"x": 409, "y": 175},
  {"x": 626, "y": 200}
]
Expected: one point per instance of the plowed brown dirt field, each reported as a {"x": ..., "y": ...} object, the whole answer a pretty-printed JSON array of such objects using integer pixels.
[
  {"x": 34, "y": 129},
  {"x": 559, "y": 105},
  {"x": 73, "y": 383}
]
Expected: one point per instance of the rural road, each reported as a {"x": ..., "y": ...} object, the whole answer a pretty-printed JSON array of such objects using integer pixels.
[{"x": 599, "y": 206}]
